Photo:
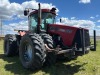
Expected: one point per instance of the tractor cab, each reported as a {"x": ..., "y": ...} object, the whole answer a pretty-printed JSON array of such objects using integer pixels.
[
  {"x": 39, "y": 19},
  {"x": 47, "y": 17}
]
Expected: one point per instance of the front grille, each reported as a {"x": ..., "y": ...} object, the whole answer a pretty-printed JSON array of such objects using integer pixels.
[{"x": 79, "y": 38}]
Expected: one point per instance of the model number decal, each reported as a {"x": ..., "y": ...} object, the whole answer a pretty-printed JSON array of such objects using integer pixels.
[
  {"x": 69, "y": 31},
  {"x": 61, "y": 30}
]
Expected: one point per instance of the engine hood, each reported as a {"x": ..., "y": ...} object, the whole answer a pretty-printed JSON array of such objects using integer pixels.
[
  {"x": 67, "y": 33},
  {"x": 64, "y": 26}
]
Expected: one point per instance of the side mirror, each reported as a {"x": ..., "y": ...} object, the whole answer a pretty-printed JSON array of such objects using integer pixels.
[
  {"x": 53, "y": 10},
  {"x": 26, "y": 12}
]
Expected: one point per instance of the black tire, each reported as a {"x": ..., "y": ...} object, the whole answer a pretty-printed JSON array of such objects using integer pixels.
[
  {"x": 51, "y": 57},
  {"x": 32, "y": 51},
  {"x": 10, "y": 45},
  {"x": 18, "y": 37}
]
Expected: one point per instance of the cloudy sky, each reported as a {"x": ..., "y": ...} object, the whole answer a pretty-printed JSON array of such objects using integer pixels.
[{"x": 78, "y": 13}]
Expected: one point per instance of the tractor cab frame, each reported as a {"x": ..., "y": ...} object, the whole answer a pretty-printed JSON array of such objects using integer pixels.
[{"x": 39, "y": 19}]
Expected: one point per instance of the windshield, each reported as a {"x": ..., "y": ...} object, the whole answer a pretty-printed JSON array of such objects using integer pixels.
[{"x": 47, "y": 18}]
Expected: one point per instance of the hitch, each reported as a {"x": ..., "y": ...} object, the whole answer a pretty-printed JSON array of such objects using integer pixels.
[
  {"x": 59, "y": 51},
  {"x": 56, "y": 50}
]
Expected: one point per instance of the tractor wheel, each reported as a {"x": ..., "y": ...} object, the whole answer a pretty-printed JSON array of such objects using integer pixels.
[
  {"x": 10, "y": 45},
  {"x": 51, "y": 57},
  {"x": 18, "y": 43},
  {"x": 32, "y": 51}
]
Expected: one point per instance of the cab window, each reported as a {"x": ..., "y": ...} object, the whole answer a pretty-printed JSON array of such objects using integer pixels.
[{"x": 33, "y": 22}]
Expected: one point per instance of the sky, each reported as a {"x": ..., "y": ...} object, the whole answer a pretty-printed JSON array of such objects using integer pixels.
[{"x": 78, "y": 13}]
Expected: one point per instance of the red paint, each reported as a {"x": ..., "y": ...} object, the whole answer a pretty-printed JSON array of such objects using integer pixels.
[
  {"x": 42, "y": 10},
  {"x": 67, "y": 33}
]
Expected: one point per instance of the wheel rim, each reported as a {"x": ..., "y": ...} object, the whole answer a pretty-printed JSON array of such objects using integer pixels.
[{"x": 28, "y": 52}]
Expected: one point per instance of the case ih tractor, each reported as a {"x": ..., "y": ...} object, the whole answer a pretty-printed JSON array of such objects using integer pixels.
[{"x": 45, "y": 41}]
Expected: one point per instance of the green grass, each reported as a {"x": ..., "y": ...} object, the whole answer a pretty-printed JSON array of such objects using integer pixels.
[{"x": 88, "y": 64}]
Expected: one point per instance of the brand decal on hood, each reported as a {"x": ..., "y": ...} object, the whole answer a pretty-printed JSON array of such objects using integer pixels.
[{"x": 61, "y": 29}]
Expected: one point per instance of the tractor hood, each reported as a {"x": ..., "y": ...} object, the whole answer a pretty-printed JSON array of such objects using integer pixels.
[
  {"x": 62, "y": 28},
  {"x": 66, "y": 32}
]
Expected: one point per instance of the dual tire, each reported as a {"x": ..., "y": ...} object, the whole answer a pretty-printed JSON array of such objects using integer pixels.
[
  {"x": 10, "y": 45},
  {"x": 32, "y": 51},
  {"x": 51, "y": 57}
]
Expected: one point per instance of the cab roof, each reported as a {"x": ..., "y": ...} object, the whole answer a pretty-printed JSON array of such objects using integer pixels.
[{"x": 43, "y": 10}]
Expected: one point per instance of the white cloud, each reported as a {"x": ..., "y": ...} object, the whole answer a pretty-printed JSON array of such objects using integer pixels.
[
  {"x": 13, "y": 11},
  {"x": 84, "y": 1},
  {"x": 78, "y": 23},
  {"x": 92, "y": 17},
  {"x": 73, "y": 18},
  {"x": 97, "y": 28},
  {"x": 88, "y": 24},
  {"x": 98, "y": 21},
  {"x": 97, "y": 15},
  {"x": 8, "y": 9},
  {"x": 22, "y": 25}
]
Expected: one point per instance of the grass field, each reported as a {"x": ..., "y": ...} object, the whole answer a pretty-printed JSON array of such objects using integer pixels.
[{"x": 88, "y": 64}]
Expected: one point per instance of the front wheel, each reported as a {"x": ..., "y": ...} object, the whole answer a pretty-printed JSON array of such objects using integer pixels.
[
  {"x": 32, "y": 51},
  {"x": 51, "y": 57}
]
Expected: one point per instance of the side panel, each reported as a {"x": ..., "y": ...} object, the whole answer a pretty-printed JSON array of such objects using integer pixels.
[{"x": 67, "y": 33}]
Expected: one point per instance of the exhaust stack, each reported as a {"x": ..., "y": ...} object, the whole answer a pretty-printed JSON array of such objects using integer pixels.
[{"x": 39, "y": 18}]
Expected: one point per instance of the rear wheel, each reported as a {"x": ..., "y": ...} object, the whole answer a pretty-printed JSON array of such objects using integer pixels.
[
  {"x": 51, "y": 57},
  {"x": 10, "y": 45},
  {"x": 32, "y": 51}
]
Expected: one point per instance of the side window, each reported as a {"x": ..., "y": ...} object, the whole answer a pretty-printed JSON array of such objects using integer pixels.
[
  {"x": 42, "y": 25},
  {"x": 33, "y": 22}
]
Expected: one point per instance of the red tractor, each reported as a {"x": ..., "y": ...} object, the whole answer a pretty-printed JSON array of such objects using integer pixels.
[{"x": 45, "y": 40}]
